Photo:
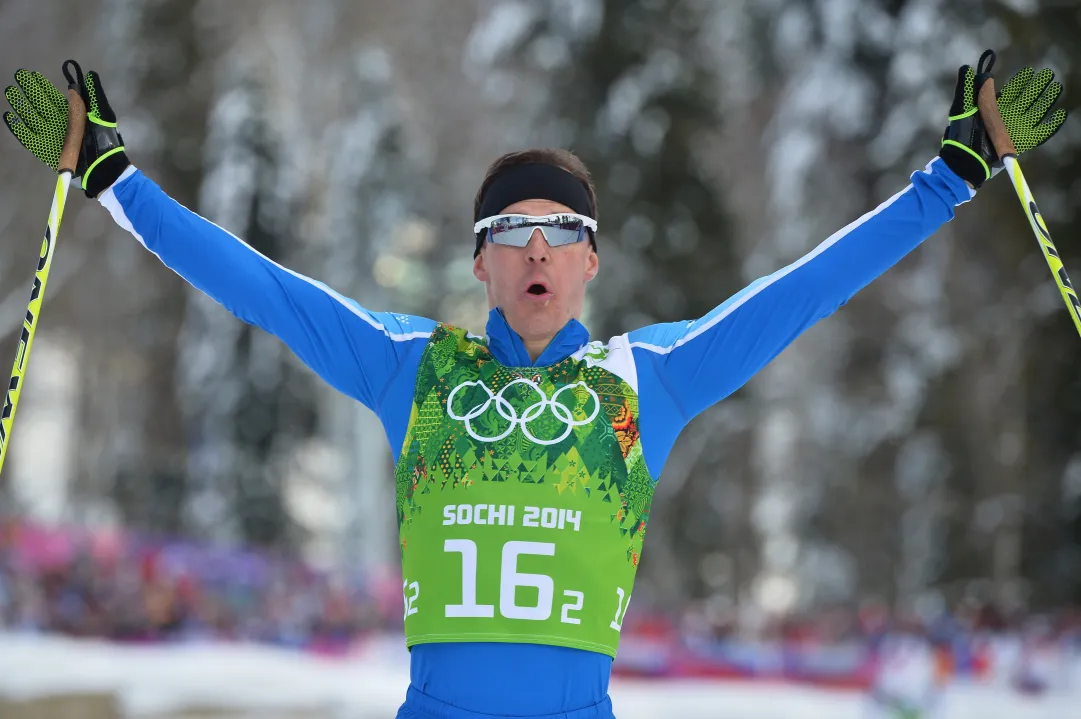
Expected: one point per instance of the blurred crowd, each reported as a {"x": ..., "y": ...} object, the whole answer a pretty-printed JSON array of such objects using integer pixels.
[
  {"x": 126, "y": 587},
  {"x": 865, "y": 647}
]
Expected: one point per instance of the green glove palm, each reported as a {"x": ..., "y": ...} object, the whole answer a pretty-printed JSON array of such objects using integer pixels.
[
  {"x": 39, "y": 120},
  {"x": 1024, "y": 103},
  {"x": 40, "y": 117}
]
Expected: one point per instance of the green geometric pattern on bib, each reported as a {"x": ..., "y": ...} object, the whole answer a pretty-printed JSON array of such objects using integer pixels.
[{"x": 438, "y": 455}]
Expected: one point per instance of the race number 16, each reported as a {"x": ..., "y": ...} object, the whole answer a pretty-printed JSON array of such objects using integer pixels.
[{"x": 509, "y": 581}]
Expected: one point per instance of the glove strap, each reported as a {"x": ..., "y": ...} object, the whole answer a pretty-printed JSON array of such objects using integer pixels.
[
  {"x": 78, "y": 82},
  {"x": 106, "y": 170}
]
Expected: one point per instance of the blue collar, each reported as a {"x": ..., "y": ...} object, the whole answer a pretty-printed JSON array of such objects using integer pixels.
[{"x": 509, "y": 350}]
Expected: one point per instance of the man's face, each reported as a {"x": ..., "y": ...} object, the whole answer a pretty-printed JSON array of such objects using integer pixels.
[{"x": 539, "y": 288}]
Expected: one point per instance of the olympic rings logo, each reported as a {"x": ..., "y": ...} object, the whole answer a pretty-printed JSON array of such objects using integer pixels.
[{"x": 506, "y": 410}]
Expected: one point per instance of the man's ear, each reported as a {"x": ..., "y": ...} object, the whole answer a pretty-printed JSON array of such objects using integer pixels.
[
  {"x": 592, "y": 265},
  {"x": 480, "y": 271}
]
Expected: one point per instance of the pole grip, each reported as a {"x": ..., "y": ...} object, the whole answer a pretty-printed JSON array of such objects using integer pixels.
[
  {"x": 73, "y": 141},
  {"x": 992, "y": 120}
]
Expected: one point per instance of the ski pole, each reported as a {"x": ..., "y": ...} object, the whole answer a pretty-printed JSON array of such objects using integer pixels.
[
  {"x": 69, "y": 160},
  {"x": 1004, "y": 146}
]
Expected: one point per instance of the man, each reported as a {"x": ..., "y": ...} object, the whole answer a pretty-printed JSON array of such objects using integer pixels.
[{"x": 527, "y": 458}]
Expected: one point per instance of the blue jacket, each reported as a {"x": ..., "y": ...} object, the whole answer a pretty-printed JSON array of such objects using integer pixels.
[{"x": 681, "y": 368}]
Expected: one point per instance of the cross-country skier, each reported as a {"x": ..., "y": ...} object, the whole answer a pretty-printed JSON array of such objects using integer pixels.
[{"x": 527, "y": 458}]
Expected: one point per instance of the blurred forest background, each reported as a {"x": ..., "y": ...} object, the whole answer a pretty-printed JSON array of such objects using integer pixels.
[{"x": 921, "y": 447}]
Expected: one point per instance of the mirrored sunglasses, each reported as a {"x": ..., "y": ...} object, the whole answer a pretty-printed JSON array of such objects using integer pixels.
[{"x": 516, "y": 230}]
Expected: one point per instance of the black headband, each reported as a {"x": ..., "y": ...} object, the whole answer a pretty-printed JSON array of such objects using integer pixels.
[{"x": 533, "y": 182}]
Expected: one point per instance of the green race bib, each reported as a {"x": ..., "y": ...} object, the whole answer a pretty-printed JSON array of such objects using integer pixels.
[{"x": 522, "y": 497}]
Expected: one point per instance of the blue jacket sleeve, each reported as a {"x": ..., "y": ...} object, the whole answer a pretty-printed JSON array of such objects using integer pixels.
[
  {"x": 360, "y": 353},
  {"x": 685, "y": 367}
]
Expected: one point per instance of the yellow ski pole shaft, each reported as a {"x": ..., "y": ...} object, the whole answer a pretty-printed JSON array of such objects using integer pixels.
[
  {"x": 1000, "y": 138},
  {"x": 69, "y": 159}
]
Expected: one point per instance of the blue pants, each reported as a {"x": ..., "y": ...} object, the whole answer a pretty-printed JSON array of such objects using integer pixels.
[{"x": 419, "y": 705}]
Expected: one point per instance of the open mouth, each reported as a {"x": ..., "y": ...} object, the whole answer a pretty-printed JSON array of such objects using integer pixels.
[{"x": 537, "y": 289}]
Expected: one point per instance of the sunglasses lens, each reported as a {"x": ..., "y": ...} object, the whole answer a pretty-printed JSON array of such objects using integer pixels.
[
  {"x": 517, "y": 231},
  {"x": 513, "y": 236},
  {"x": 557, "y": 236}
]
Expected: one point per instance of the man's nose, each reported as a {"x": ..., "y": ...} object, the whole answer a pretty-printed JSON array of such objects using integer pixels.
[{"x": 538, "y": 250}]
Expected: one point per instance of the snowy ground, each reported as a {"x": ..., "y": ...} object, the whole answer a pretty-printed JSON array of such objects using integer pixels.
[{"x": 255, "y": 681}]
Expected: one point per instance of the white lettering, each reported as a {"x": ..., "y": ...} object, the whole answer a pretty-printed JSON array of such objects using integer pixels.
[
  {"x": 469, "y": 606},
  {"x": 409, "y": 600},
  {"x": 617, "y": 623},
  {"x": 548, "y": 518},
  {"x": 465, "y": 514},
  {"x": 503, "y": 515},
  {"x": 510, "y": 579},
  {"x": 529, "y": 519},
  {"x": 565, "y": 617}
]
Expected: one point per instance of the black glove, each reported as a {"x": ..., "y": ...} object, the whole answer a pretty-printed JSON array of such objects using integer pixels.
[
  {"x": 103, "y": 148},
  {"x": 1024, "y": 103},
  {"x": 39, "y": 120}
]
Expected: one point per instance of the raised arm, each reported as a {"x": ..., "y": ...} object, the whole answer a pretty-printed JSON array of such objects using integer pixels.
[
  {"x": 357, "y": 351},
  {"x": 360, "y": 353},
  {"x": 684, "y": 367},
  {"x": 688, "y": 366}
]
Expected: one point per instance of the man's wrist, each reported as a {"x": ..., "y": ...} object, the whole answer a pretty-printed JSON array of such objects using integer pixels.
[
  {"x": 965, "y": 163},
  {"x": 101, "y": 175}
]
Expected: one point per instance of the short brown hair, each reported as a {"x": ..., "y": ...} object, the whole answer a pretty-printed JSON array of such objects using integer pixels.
[{"x": 554, "y": 156}]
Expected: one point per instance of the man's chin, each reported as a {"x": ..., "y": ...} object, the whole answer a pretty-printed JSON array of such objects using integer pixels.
[{"x": 536, "y": 321}]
